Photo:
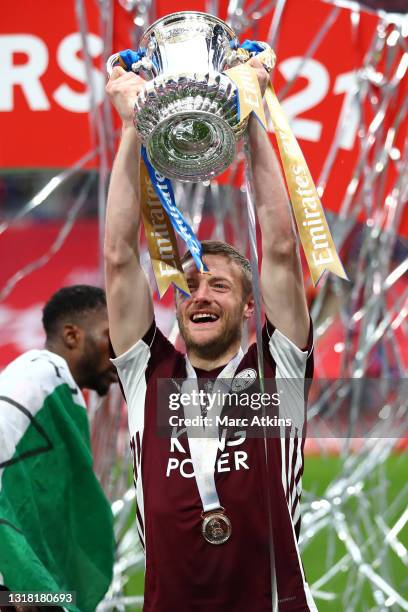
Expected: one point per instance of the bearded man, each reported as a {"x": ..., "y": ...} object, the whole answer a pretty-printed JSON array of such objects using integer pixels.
[{"x": 184, "y": 570}]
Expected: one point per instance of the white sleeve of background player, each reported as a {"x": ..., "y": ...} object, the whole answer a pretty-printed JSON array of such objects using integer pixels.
[
  {"x": 290, "y": 374},
  {"x": 25, "y": 385},
  {"x": 131, "y": 367}
]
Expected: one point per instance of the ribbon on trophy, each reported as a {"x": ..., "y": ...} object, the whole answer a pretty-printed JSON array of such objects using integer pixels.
[
  {"x": 160, "y": 215},
  {"x": 245, "y": 78},
  {"x": 161, "y": 239},
  {"x": 314, "y": 232},
  {"x": 164, "y": 190}
]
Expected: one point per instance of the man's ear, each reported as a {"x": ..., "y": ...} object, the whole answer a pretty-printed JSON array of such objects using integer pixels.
[
  {"x": 249, "y": 308},
  {"x": 72, "y": 336}
]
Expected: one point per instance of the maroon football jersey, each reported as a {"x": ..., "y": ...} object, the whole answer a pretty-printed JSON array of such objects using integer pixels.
[{"x": 184, "y": 573}]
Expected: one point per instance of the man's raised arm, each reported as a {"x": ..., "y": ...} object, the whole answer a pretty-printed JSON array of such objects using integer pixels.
[
  {"x": 281, "y": 275},
  {"x": 129, "y": 299}
]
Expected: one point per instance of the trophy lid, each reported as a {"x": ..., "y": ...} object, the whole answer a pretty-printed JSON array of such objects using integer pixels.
[{"x": 181, "y": 16}]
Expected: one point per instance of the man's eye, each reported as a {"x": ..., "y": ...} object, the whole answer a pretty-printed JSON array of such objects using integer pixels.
[{"x": 220, "y": 286}]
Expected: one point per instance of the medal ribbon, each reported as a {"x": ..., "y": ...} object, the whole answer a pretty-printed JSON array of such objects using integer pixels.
[
  {"x": 203, "y": 450},
  {"x": 314, "y": 232}
]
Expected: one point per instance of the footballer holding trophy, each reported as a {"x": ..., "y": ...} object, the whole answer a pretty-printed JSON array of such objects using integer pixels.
[{"x": 218, "y": 517}]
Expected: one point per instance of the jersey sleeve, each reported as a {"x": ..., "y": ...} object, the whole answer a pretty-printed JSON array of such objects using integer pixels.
[
  {"x": 293, "y": 374},
  {"x": 137, "y": 365},
  {"x": 291, "y": 361},
  {"x": 131, "y": 365}
]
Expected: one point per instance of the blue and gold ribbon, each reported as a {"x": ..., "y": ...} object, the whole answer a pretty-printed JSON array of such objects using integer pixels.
[
  {"x": 314, "y": 232},
  {"x": 164, "y": 190},
  {"x": 160, "y": 237}
]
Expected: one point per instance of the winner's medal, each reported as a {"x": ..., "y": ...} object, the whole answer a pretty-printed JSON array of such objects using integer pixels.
[{"x": 216, "y": 527}]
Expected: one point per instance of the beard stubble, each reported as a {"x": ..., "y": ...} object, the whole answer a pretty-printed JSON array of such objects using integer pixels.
[{"x": 215, "y": 347}]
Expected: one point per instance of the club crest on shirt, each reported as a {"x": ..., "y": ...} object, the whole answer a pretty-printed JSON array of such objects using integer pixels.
[{"x": 244, "y": 379}]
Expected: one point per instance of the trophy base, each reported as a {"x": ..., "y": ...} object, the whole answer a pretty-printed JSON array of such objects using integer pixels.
[{"x": 191, "y": 146}]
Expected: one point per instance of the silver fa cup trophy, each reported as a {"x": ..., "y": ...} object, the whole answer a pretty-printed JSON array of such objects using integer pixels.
[{"x": 187, "y": 114}]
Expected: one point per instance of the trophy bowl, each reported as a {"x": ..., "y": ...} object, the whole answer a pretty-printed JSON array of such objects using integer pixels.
[{"x": 187, "y": 114}]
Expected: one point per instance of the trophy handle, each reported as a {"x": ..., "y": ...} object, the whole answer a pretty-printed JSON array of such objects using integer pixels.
[
  {"x": 144, "y": 66},
  {"x": 241, "y": 55}
]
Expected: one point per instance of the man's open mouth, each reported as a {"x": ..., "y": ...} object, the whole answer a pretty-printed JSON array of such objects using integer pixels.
[{"x": 203, "y": 317}]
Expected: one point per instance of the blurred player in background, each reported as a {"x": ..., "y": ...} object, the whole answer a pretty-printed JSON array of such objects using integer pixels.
[{"x": 56, "y": 530}]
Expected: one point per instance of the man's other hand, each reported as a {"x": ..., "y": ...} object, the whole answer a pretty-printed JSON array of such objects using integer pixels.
[
  {"x": 122, "y": 89},
  {"x": 262, "y": 74}
]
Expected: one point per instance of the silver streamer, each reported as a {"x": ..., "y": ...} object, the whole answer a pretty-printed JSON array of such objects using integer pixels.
[
  {"x": 272, "y": 37},
  {"x": 369, "y": 324},
  {"x": 97, "y": 113},
  {"x": 240, "y": 18},
  {"x": 253, "y": 249},
  {"x": 314, "y": 45},
  {"x": 40, "y": 198},
  {"x": 54, "y": 248}
]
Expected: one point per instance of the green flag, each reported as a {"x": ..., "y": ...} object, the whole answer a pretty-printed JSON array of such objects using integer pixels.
[{"x": 56, "y": 531}]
